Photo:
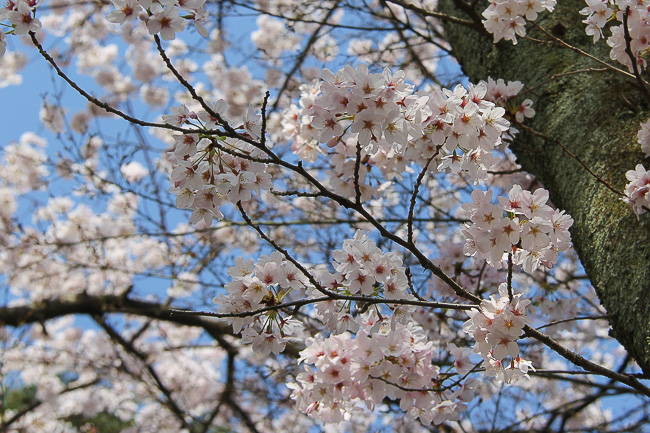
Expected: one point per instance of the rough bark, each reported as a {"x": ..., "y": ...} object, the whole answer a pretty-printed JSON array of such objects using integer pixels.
[{"x": 596, "y": 116}]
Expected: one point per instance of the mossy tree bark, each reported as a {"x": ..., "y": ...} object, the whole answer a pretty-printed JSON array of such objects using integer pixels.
[{"x": 596, "y": 116}]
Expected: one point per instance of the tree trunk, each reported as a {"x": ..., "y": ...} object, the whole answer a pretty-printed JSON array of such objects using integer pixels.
[{"x": 596, "y": 116}]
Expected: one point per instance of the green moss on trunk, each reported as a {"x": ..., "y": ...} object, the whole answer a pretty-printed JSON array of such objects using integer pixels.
[{"x": 596, "y": 116}]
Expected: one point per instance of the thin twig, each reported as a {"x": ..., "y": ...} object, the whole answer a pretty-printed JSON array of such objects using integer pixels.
[
  {"x": 17, "y": 415},
  {"x": 263, "y": 127},
  {"x": 357, "y": 167},
  {"x": 215, "y": 142},
  {"x": 578, "y": 360},
  {"x": 300, "y": 59},
  {"x": 332, "y": 296},
  {"x": 584, "y": 53},
  {"x": 96, "y": 101},
  {"x": 628, "y": 51},
  {"x": 284, "y": 252},
  {"x": 568, "y": 152},
  {"x": 506, "y": 172},
  {"x": 296, "y": 193},
  {"x": 231, "y": 131},
  {"x": 170, "y": 403},
  {"x": 565, "y": 74},
  {"x": 510, "y": 295},
  {"x": 573, "y": 319},
  {"x": 434, "y": 14},
  {"x": 416, "y": 188},
  {"x": 329, "y": 294}
]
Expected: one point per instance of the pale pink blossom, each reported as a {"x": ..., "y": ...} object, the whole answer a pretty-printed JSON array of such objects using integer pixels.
[
  {"x": 23, "y": 19},
  {"x": 167, "y": 23}
]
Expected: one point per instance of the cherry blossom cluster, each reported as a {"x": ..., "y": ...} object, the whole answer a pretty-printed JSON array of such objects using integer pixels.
[
  {"x": 204, "y": 176},
  {"x": 475, "y": 274},
  {"x": 345, "y": 372},
  {"x": 23, "y": 165},
  {"x": 501, "y": 93},
  {"x": 256, "y": 286},
  {"x": 58, "y": 348},
  {"x": 22, "y": 18},
  {"x": 506, "y": 19},
  {"x": 495, "y": 326},
  {"x": 363, "y": 269},
  {"x": 521, "y": 224},
  {"x": 393, "y": 125},
  {"x": 272, "y": 37},
  {"x": 62, "y": 235},
  {"x": 50, "y": 260},
  {"x": 600, "y": 12},
  {"x": 637, "y": 192},
  {"x": 161, "y": 17},
  {"x": 644, "y": 138}
]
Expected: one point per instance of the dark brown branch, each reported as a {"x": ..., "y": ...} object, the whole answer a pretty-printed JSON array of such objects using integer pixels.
[
  {"x": 433, "y": 14},
  {"x": 229, "y": 129},
  {"x": 357, "y": 167},
  {"x": 416, "y": 188},
  {"x": 303, "y": 55},
  {"x": 628, "y": 51},
  {"x": 169, "y": 400},
  {"x": 97, "y": 305},
  {"x": 99, "y": 103},
  {"x": 584, "y": 363}
]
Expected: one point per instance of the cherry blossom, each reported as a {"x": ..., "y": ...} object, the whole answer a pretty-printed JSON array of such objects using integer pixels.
[
  {"x": 23, "y": 20},
  {"x": 124, "y": 10},
  {"x": 385, "y": 117},
  {"x": 506, "y": 19},
  {"x": 530, "y": 230},
  {"x": 599, "y": 13},
  {"x": 637, "y": 191},
  {"x": 133, "y": 171},
  {"x": 644, "y": 138},
  {"x": 167, "y": 23},
  {"x": 343, "y": 374},
  {"x": 495, "y": 327}
]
